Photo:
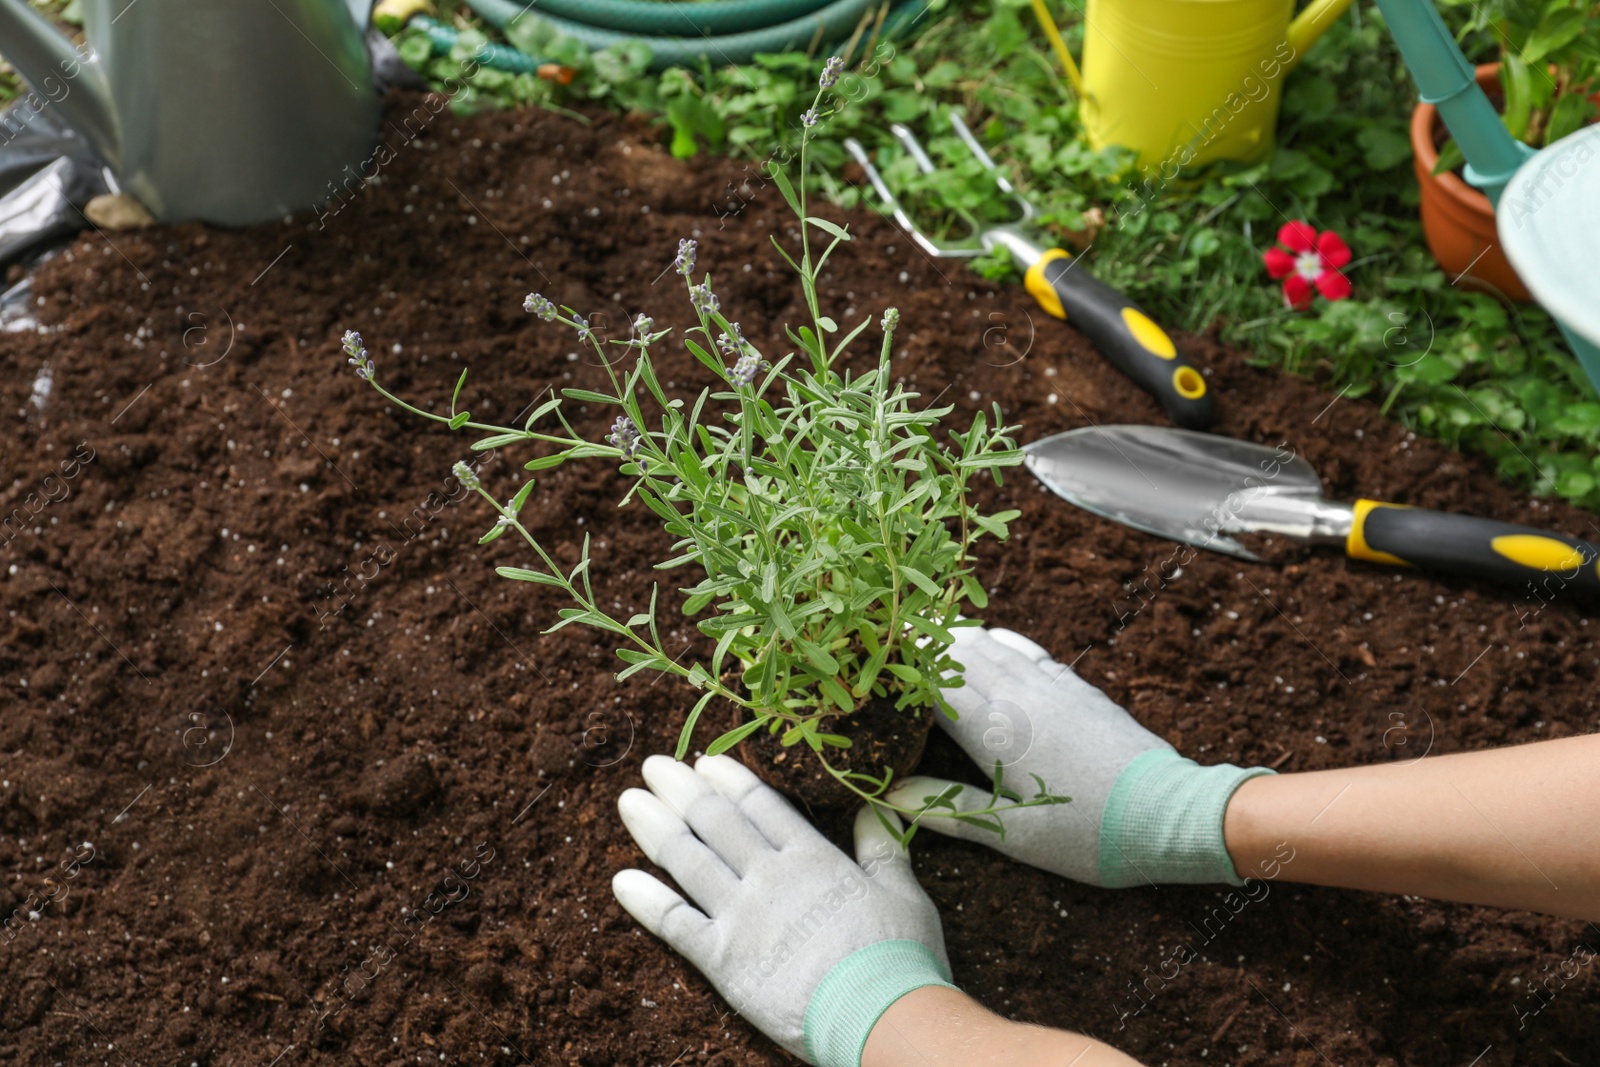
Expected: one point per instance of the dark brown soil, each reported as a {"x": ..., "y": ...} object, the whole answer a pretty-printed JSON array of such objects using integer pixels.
[
  {"x": 882, "y": 741},
  {"x": 392, "y": 800}
]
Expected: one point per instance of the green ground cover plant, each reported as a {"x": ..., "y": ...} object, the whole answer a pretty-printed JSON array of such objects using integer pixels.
[{"x": 1454, "y": 364}]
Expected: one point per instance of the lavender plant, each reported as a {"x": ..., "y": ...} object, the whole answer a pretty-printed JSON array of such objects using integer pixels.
[{"x": 832, "y": 527}]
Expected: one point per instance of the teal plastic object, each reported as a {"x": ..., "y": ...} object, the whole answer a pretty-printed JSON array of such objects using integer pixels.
[
  {"x": 676, "y": 18},
  {"x": 1549, "y": 222},
  {"x": 1444, "y": 79},
  {"x": 779, "y": 31},
  {"x": 490, "y": 54},
  {"x": 1554, "y": 245}
]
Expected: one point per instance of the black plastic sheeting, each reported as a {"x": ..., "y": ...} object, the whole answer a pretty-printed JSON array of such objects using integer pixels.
[{"x": 47, "y": 175}]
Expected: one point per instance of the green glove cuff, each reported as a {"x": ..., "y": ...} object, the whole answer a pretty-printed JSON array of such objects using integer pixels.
[
  {"x": 853, "y": 995},
  {"x": 1163, "y": 822}
]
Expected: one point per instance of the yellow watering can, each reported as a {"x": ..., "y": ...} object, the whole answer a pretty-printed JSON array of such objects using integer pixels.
[{"x": 1184, "y": 82}]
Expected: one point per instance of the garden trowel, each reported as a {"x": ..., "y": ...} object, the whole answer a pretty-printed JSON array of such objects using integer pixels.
[{"x": 1211, "y": 491}]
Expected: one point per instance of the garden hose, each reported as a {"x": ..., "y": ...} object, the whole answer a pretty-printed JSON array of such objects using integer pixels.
[
  {"x": 663, "y": 18},
  {"x": 683, "y": 34},
  {"x": 491, "y": 55}
]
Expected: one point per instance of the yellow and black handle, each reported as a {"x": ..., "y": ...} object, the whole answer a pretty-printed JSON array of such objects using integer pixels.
[
  {"x": 1483, "y": 548},
  {"x": 1127, "y": 336}
]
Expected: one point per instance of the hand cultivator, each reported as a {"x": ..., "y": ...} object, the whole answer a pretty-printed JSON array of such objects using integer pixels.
[{"x": 1128, "y": 337}]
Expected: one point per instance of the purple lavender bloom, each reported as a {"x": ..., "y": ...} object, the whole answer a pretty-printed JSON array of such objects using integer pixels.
[
  {"x": 358, "y": 355},
  {"x": 538, "y": 305},
  {"x": 625, "y": 435},
  {"x": 685, "y": 259},
  {"x": 703, "y": 299},
  {"x": 732, "y": 344},
  {"x": 744, "y": 371}
]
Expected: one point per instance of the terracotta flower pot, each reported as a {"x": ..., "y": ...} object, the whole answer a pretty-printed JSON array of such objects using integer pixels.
[{"x": 1457, "y": 219}]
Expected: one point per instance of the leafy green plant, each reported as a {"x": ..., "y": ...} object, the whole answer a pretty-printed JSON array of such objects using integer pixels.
[
  {"x": 1549, "y": 67},
  {"x": 832, "y": 525}
]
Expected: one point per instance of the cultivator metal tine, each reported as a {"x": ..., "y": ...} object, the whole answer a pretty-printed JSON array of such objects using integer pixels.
[
  {"x": 859, "y": 154},
  {"x": 913, "y": 147},
  {"x": 924, "y": 162},
  {"x": 926, "y": 243},
  {"x": 983, "y": 157},
  {"x": 971, "y": 247}
]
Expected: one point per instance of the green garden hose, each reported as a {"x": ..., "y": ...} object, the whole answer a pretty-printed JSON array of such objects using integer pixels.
[
  {"x": 670, "y": 18},
  {"x": 683, "y": 34},
  {"x": 491, "y": 55}
]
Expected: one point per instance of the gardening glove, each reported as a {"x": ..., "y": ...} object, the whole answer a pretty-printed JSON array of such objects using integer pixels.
[
  {"x": 808, "y": 945},
  {"x": 1140, "y": 813}
]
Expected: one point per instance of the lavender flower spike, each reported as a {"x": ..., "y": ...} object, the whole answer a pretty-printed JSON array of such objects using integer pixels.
[
  {"x": 538, "y": 305},
  {"x": 685, "y": 259},
  {"x": 358, "y": 355},
  {"x": 733, "y": 344},
  {"x": 830, "y": 72},
  {"x": 703, "y": 299},
  {"x": 625, "y": 435},
  {"x": 744, "y": 371},
  {"x": 465, "y": 475}
]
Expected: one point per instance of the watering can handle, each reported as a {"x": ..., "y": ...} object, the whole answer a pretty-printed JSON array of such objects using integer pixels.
[
  {"x": 1303, "y": 33},
  {"x": 1310, "y": 24},
  {"x": 1063, "y": 53}
]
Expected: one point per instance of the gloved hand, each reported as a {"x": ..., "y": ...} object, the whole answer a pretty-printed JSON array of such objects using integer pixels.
[
  {"x": 1140, "y": 814},
  {"x": 808, "y": 945}
]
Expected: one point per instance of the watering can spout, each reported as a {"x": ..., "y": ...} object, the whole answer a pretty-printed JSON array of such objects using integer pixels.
[
  {"x": 70, "y": 79},
  {"x": 1310, "y": 25}
]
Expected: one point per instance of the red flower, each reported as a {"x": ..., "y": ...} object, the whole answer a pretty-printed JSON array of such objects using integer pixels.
[{"x": 1311, "y": 258}]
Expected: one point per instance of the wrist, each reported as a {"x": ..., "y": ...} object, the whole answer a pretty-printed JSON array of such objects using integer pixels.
[
  {"x": 1247, "y": 827},
  {"x": 934, "y": 1025},
  {"x": 940, "y": 1027},
  {"x": 854, "y": 996}
]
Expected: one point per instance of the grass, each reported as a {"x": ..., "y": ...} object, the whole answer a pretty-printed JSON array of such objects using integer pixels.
[{"x": 1454, "y": 365}]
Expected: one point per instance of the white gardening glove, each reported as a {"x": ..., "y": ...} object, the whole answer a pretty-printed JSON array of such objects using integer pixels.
[
  {"x": 1140, "y": 814},
  {"x": 808, "y": 945}
]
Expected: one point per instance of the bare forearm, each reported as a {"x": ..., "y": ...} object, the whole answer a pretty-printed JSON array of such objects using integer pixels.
[
  {"x": 1513, "y": 827},
  {"x": 939, "y": 1027}
]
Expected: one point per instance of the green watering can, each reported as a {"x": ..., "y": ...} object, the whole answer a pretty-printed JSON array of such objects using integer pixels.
[
  {"x": 1547, "y": 203},
  {"x": 228, "y": 111}
]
